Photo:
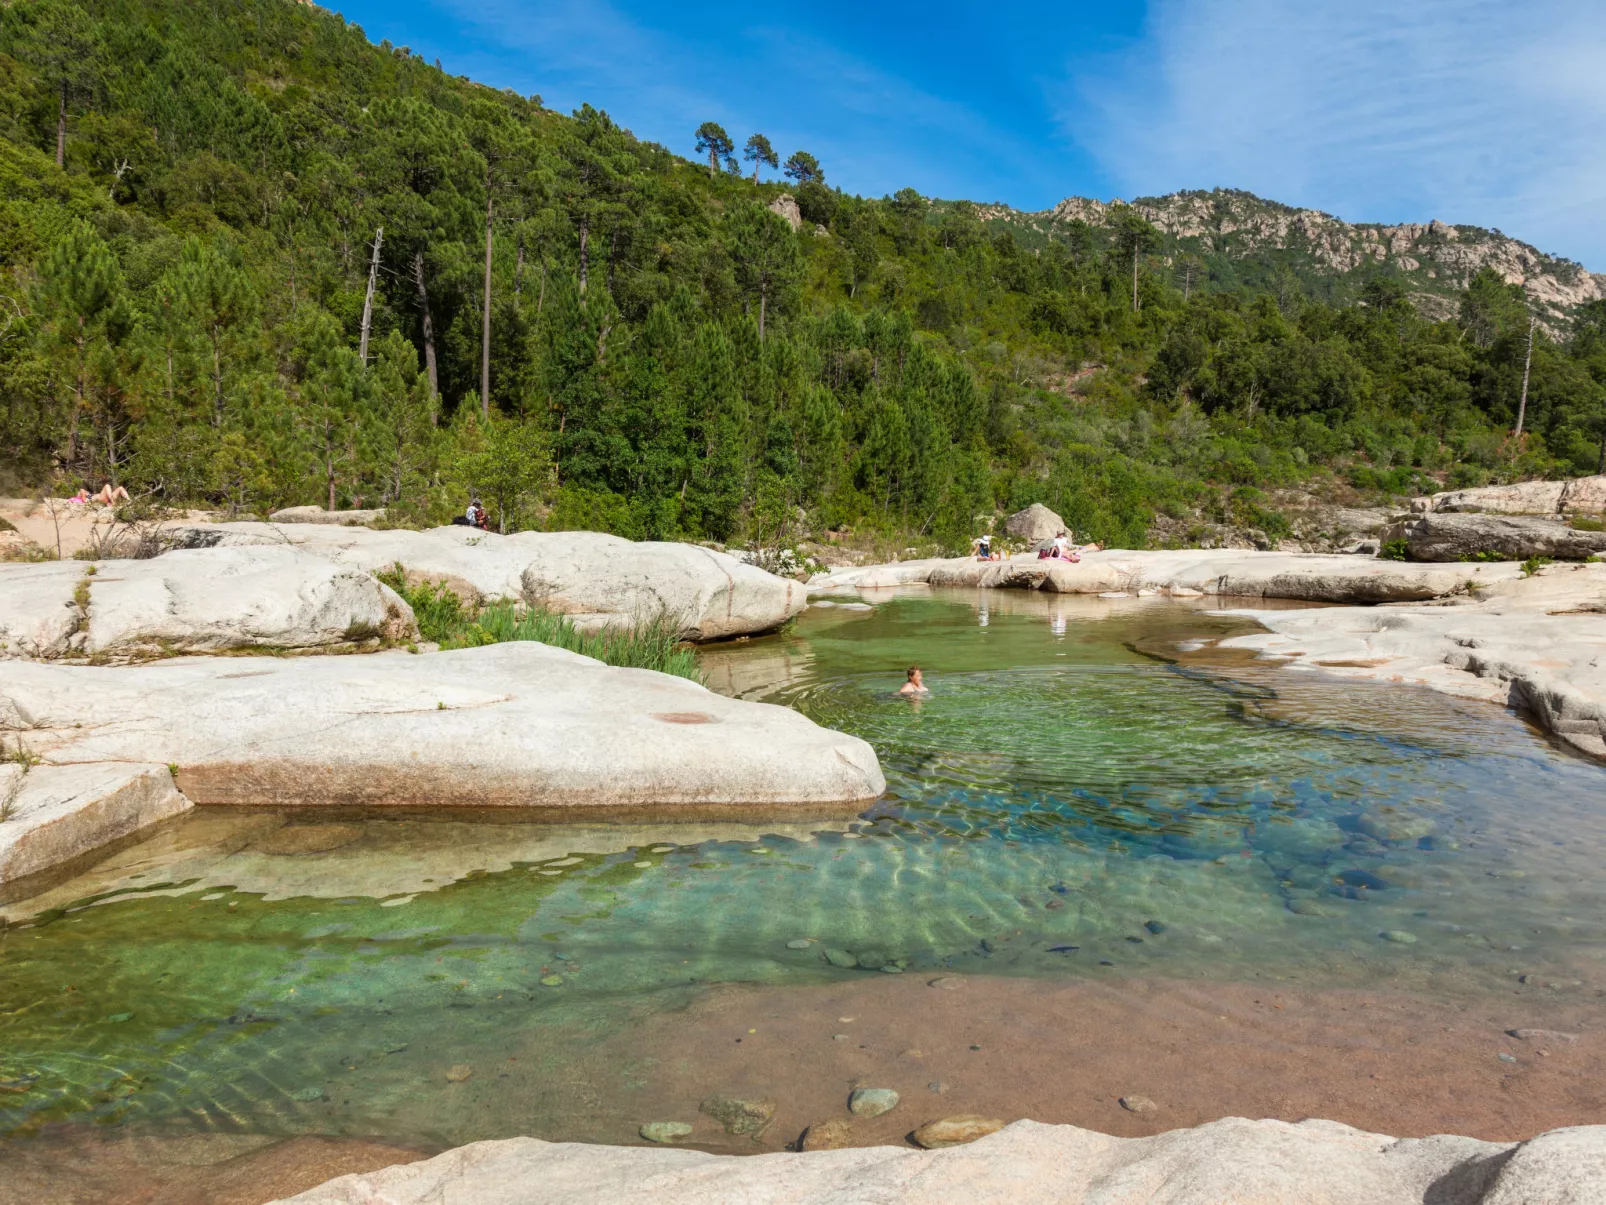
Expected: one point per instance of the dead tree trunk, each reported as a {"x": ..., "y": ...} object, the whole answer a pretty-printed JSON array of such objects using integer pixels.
[
  {"x": 485, "y": 319},
  {"x": 518, "y": 271},
  {"x": 428, "y": 325},
  {"x": 368, "y": 301},
  {"x": 1527, "y": 364},
  {"x": 585, "y": 250},
  {"x": 61, "y": 126}
]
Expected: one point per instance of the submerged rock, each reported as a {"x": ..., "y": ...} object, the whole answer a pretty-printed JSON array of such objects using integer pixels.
[
  {"x": 840, "y": 958},
  {"x": 872, "y": 1102},
  {"x": 1139, "y": 1104},
  {"x": 665, "y": 1131},
  {"x": 1399, "y": 937},
  {"x": 1388, "y": 824},
  {"x": 739, "y": 1115}
]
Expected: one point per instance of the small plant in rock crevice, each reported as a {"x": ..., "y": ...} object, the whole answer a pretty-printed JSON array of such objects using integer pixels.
[{"x": 652, "y": 643}]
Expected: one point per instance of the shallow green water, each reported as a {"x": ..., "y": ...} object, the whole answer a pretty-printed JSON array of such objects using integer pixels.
[{"x": 1061, "y": 805}]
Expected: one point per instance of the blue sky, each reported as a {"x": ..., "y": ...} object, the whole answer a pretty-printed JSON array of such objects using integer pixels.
[{"x": 1481, "y": 111}]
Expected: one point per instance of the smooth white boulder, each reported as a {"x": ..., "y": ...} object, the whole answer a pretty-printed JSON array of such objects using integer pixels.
[
  {"x": 1228, "y": 1162},
  {"x": 39, "y": 614},
  {"x": 216, "y": 599},
  {"x": 50, "y": 814},
  {"x": 598, "y": 580},
  {"x": 510, "y": 725}
]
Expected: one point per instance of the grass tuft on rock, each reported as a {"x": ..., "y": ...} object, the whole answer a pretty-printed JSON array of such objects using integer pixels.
[{"x": 652, "y": 643}]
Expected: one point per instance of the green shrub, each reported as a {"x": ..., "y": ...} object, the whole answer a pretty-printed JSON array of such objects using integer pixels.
[
  {"x": 1582, "y": 524},
  {"x": 1485, "y": 557},
  {"x": 653, "y": 643},
  {"x": 1394, "y": 550},
  {"x": 1533, "y": 564}
]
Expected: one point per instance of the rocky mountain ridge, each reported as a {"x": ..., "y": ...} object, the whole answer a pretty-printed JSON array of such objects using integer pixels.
[{"x": 1434, "y": 259}]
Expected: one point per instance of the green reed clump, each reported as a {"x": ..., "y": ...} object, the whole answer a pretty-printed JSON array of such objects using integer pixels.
[{"x": 651, "y": 643}]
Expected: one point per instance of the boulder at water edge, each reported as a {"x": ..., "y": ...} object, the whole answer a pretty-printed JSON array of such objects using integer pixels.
[
  {"x": 508, "y": 725},
  {"x": 597, "y": 580}
]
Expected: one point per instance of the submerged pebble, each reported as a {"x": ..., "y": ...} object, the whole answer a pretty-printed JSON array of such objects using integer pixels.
[
  {"x": 1399, "y": 936},
  {"x": 840, "y": 958},
  {"x": 872, "y": 1102},
  {"x": 798, "y": 943},
  {"x": 665, "y": 1131}
]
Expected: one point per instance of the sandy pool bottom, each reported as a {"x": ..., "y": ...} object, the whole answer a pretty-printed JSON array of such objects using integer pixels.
[{"x": 1061, "y": 1052}]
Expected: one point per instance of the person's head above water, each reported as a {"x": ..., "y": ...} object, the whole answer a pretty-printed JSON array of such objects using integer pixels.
[{"x": 914, "y": 674}]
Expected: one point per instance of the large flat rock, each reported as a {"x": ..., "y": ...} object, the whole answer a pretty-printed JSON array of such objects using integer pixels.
[
  {"x": 597, "y": 580},
  {"x": 39, "y": 614},
  {"x": 1227, "y": 1162},
  {"x": 50, "y": 814},
  {"x": 510, "y": 725},
  {"x": 1189, "y": 572}
]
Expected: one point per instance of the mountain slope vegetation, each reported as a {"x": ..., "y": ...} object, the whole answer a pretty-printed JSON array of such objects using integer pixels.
[{"x": 250, "y": 259}]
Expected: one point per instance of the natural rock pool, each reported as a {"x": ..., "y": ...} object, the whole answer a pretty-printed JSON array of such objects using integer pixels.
[{"x": 1115, "y": 843}]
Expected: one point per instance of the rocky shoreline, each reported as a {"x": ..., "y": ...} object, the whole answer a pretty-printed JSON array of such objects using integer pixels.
[
  {"x": 110, "y": 721},
  {"x": 1233, "y": 1161}
]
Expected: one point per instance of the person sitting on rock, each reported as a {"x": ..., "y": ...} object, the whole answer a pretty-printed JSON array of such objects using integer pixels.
[
  {"x": 914, "y": 686},
  {"x": 477, "y": 517},
  {"x": 984, "y": 549}
]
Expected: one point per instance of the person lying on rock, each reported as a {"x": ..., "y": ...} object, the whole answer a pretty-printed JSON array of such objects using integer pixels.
[
  {"x": 914, "y": 686},
  {"x": 109, "y": 496},
  {"x": 1063, "y": 550}
]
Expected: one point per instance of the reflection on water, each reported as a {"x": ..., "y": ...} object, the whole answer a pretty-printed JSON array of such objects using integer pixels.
[{"x": 1062, "y": 804}]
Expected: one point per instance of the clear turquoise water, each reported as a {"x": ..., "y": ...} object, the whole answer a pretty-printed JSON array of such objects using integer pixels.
[{"x": 1063, "y": 804}]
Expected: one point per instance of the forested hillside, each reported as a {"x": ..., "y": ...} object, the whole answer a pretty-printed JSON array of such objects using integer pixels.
[{"x": 593, "y": 331}]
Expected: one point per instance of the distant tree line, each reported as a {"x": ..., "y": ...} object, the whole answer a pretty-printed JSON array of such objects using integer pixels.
[{"x": 250, "y": 259}]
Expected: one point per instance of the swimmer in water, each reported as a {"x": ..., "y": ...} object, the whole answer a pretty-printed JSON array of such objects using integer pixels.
[{"x": 914, "y": 687}]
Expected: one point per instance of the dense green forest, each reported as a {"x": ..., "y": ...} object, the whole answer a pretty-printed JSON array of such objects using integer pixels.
[{"x": 592, "y": 331}]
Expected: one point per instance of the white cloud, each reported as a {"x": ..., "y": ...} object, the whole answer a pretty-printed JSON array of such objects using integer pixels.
[{"x": 1480, "y": 111}]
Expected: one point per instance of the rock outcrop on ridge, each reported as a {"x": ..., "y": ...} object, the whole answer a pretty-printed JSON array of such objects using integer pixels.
[
  {"x": 597, "y": 580},
  {"x": 1228, "y": 1162},
  {"x": 507, "y": 725}
]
